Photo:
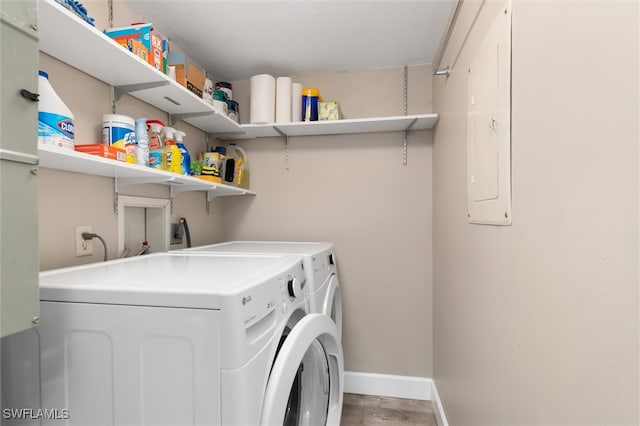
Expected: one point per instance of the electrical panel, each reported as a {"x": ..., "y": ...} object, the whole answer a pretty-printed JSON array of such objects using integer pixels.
[{"x": 489, "y": 125}]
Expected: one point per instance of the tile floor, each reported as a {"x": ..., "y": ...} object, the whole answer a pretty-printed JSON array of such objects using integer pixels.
[{"x": 366, "y": 410}]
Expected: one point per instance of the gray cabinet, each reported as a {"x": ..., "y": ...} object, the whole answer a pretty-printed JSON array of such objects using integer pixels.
[{"x": 19, "y": 301}]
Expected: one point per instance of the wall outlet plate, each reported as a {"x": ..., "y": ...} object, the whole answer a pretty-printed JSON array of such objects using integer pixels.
[
  {"x": 83, "y": 248},
  {"x": 176, "y": 233}
]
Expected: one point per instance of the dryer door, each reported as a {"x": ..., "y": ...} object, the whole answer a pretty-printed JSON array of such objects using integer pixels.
[
  {"x": 306, "y": 382},
  {"x": 332, "y": 305}
]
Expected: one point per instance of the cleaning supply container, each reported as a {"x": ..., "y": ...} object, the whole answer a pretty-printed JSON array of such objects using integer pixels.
[
  {"x": 55, "y": 119},
  {"x": 142, "y": 142},
  {"x": 220, "y": 102},
  {"x": 173, "y": 162},
  {"x": 310, "y": 97},
  {"x": 241, "y": 166},
  {"x": 184, "y": 153},
  {"x": 156, "y": 152},
  {"x": 120, "y": 131},
  {"x": 225, "y": 87}
]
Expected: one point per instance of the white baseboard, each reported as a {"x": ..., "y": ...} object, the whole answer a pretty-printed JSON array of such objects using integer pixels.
[{"x": 393, "y": 386}]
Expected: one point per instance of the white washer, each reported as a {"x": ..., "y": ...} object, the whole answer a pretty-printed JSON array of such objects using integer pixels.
[
  {"x": 175, "y": 339},
  {"x": 319, "y": 260}
]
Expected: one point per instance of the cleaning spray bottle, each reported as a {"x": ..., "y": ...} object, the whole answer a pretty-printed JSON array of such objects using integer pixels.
[
  {"x": 186, "y": 158},
  {"x": 172, "y": 152},
  {"x": 142, "y": 142},
  {"x": 157, "y": 156}
]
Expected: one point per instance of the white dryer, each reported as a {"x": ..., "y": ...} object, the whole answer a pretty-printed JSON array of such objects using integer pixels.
[
  {"x": 174, "y": 339},
  {"x": 319, "y": 260}
]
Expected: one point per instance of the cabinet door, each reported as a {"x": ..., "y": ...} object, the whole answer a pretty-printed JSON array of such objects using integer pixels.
[
  {"x": 18, "y": 71},
  {"x": 19, "y": 301}
]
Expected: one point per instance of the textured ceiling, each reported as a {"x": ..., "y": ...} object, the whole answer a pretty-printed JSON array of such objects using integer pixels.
[{"x": 235, "y": 39}]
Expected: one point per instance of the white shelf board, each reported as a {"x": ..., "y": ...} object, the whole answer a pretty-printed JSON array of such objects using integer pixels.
[
  {"x": 337, "y": 127},
  {"x": 68, "y": 38},
  {"x": 52, "y": 157}
]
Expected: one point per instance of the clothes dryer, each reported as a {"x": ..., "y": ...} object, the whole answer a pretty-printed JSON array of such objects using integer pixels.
[
  {"x": 175, "y": 339},
  {"x": 322, "y": 291}
]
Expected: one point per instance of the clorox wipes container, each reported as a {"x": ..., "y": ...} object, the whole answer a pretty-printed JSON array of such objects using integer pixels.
[
  {"x": 55, "y": 120},
  {"x": 120, "y": 131}
]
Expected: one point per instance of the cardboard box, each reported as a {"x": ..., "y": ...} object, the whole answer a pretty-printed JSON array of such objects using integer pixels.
[
  {"x": 187, "y": 73},
  {"x": 106, "y": 151},
  {"x": 135, "y": 38},
  {"x": 158, "y": 53}
]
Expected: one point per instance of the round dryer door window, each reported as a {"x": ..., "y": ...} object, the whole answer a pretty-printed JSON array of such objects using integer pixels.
[{"x": 305, "y": 385}]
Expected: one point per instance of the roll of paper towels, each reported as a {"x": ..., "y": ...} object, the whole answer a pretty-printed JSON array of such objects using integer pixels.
[
  {"x": 296, "y": 102},
  {"x": 263, "y": 99},
  {"x": 283, "y": 100}
]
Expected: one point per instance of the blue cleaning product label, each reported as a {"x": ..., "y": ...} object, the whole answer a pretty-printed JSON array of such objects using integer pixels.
[
  {"x": 155, "y": 159},
  {"x": 186, "y": 159},
  {"x": 120, "y": 136},
  {"x": 55, "y": 129}
]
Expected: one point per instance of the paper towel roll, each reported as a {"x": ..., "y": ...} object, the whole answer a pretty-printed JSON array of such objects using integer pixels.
[
  {"x": 296, "y": 102},
  {"x": 283, "y": 100},
  {"x": 263, "y": 99}
]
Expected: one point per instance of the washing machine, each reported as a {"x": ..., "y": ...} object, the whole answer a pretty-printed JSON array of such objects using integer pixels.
[
  {"x": 176, "y": 339},
  {"x": 318, "y": 258}
]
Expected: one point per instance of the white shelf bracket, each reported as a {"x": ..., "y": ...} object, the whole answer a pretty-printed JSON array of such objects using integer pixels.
[
  {"x": 405, "y": 83},
  {"x": 119, "y": 91},
  {"x": 210, "y": 196},
  {"x": 174, "y": 118},
  {"x": 286, "y": 146}
]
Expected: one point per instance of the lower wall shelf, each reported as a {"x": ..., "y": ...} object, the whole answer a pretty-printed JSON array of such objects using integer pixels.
[{"x": 126, "y": 174}]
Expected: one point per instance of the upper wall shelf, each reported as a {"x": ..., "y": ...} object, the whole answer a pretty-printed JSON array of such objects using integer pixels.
[
  {"x": 103, "y": 58},
  {"x": 337, "y": 127}
]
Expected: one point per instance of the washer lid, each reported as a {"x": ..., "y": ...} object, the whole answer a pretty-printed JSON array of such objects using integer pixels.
[
  {"x": 163, "y": 279},
  {"x": 275, "y": 247}
]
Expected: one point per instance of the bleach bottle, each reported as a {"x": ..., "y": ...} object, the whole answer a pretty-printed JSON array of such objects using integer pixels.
[
  {"x": 55, "y": 120},
  {"x": 185, "y": 157}
]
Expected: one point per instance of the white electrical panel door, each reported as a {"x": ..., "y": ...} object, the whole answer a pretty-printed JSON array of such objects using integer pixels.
[{"x": 489, "y": 124}]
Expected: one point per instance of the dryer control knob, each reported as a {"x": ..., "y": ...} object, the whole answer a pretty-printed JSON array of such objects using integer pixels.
[{"x": 293, "y": 288}]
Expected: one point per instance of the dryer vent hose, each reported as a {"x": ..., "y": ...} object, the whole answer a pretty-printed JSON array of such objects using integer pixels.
[{"x": 187, "y": 234}]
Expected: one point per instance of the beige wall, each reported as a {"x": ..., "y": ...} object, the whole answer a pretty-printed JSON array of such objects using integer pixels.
[
  {"x": 352, "y": 190},
  {"x": 538, "y": 323}
]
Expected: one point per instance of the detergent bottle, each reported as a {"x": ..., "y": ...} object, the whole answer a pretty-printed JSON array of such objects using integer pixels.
[
  {"x": 185, "y": 157},
  {"x": 241, "y": 166},
  {"x": 172, "y": 152}
]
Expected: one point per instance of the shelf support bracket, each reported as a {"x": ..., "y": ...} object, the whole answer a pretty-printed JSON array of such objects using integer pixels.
[
  {"x": 286, "y": 146},
  {"x": 123, "y": 90},
  {"x": 174, "y": 118},
  {"x": 405, "y": 83}
]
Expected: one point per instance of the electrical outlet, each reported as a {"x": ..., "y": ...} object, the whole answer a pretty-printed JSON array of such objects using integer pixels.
[
  {"x": 176, "y": 233},
  {"x": 83, "y": 248}
]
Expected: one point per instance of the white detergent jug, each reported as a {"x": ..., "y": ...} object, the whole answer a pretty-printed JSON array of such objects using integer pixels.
[{"x": 55, "y": 120}]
